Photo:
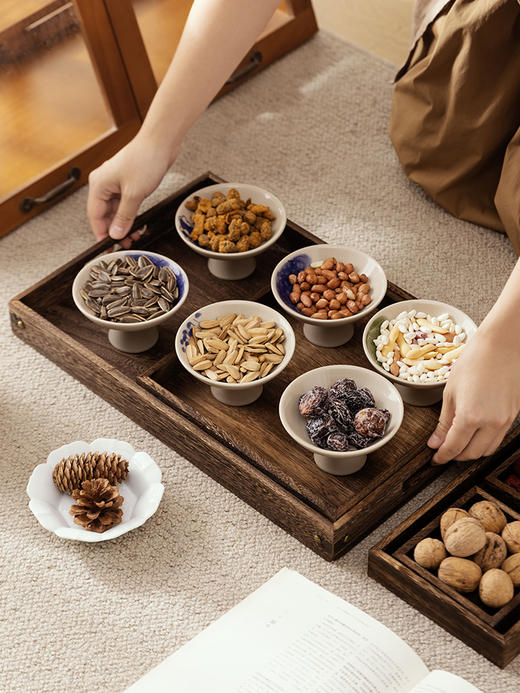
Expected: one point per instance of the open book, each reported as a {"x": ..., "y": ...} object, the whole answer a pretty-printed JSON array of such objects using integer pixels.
[{"x": 292, "y": 636}]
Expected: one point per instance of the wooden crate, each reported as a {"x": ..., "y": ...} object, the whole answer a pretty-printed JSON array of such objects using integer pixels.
[
  {"x": 245, "y": 449},
  {"x": 494, "y": 633}
]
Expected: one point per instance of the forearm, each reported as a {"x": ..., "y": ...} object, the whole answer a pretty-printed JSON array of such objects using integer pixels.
[
  {"x": 502, "y": 323},
  {"x": 217, "y": 35}
]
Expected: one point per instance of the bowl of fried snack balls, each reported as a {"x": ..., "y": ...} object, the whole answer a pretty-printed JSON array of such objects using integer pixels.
[
  {"x": 230, "y": 224},
  {"x": 341, "y": 414}
]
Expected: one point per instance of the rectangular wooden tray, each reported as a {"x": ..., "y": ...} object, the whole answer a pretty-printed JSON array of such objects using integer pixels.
[
  {"x": 494, "y": 633},
  {"x": 245, "y": 449}
]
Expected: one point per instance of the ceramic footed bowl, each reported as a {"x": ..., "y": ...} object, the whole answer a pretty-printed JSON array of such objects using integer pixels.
[
  {"x": 416, "y": 393},
  {"x": 339, "y": 463},
  {"x": 234, "y": 394},
  {"x": 142, "y": 491},
  {"x": 131, "y": 337},
  {"x": 232, "y": 265},
  {"x": 327, "y": 333}
]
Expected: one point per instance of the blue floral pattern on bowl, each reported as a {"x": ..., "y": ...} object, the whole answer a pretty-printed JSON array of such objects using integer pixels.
[
  {"x": 186, "y": 226},
  {"x": 187, "y": 331},
  {"x": 292, "y": 266},
  {"x": 160, "y": 262}
]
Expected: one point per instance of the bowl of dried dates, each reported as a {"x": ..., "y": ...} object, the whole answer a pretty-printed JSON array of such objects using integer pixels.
[
  {"x": 235, "y": 347},
  {"x": 130, "y": 292},
  {"x": 230, "y": 224},
  {"x": 329, "y": 288},
  {"x": 415, "y": 344},
  {"x": 341, "y": 414}
]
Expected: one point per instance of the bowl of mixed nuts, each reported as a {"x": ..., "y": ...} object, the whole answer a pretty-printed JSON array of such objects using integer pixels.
[
  {"x": 415, "y": 344},
  {"x": 130, "y": 292},
  {"x": 230, "y": 224},
  {"x": 341, "y": 414},
  {"x": 328, "y": 288},
  {"x": 235, "y": 347}
]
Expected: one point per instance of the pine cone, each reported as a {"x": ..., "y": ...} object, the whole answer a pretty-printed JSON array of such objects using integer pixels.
[
  {"x": 71, "y": 471},
  {"x": 98, "y": 505}
]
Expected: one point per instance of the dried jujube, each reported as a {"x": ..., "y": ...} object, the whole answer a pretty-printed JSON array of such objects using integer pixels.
[
  {"x": 319, "y": 429},
  {"x": 370, "y": 422},
  {"x": 338, "y": 442},
  {"x": 359, "y": 441},
  {"x": 341, "y": 415},
  {"x": 313, "y": 402},
  {"x": 358, "y": 399},
  {"x": 341, "y": 386}
]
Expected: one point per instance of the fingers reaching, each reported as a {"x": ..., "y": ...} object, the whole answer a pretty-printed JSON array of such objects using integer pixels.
[
  {"x": 124, "y": 216},
  {"x": 447, "y": 413},
  {"x": 457, "y": 438}
]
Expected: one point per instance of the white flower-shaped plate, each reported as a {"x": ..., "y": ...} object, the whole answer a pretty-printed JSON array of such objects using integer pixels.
[{"x": 142, "y": 491}]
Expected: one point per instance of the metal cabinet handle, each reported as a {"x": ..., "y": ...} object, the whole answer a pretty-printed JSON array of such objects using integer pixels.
[
  {"x": 29, "y": 202},
  {"x": 254, "y": 61}
]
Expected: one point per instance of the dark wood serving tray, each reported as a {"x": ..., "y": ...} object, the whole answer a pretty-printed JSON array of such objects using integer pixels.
[
  {"x": 245, "y": 448},
  {"x": 494, "y": 633}
]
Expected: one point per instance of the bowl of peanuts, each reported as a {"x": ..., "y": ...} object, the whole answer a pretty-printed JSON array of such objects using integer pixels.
[
  {"x": 328, "y": 288},
  {"x": 235, "y": 347},
  {"x": 415, "y": 344},
  {"x": 230, "y": 224}
]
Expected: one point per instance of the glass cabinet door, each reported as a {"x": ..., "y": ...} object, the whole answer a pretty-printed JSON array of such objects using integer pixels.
[{"x": 58, "y": 65}]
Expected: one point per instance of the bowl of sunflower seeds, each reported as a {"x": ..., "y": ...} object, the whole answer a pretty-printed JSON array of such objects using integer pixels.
[{"x": 130, "y": 293}]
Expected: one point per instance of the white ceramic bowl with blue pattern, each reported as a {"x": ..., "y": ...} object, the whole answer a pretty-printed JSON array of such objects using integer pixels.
[
  {"x": 232, "y": 265},
  {"x": 327, "y": 333},
  {"x": 132, "y": 337},
  {"x": 142, "y": 491},
  {"x": 234, "y": 394}
]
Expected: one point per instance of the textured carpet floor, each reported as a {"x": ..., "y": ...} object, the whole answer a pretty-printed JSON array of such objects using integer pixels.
[{"x": 312, "y": 128}]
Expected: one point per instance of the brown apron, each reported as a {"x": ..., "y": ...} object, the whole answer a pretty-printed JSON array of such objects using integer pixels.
[{"x": 455, "y": 121}]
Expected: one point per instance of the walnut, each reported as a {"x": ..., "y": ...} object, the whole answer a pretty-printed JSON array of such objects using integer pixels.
[
  {"x": 492, "y": 554},
  {"x": 459, "y": 573},
  {"x": 496, "y": 588},
  {"x": 450, "y": 516},
  {"x": 511, "y": 535},
  {"x": 489, "y": 515},
  {"x": 429, "y": 553},
  {"x": 465, "y": 537},
  {"x": 512, "y": 567}
]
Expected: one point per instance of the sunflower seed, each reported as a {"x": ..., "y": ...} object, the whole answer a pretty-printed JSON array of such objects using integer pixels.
[
  {"x": 131, "y": 318},
  {"x": 143, "y": 261},
  {"x": 90, "y": 303},
  {"x": 164, "y": 304},
  {"x": 117, "y": 311},
  {"x": 96, "y": 293},
  {"x": 104, "y": 276},
  {"x": 167, "y": 295}
]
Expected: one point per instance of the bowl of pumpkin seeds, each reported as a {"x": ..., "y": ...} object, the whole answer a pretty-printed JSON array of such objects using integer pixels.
[
  {"x": 235, "y": 347},
  {"x": 130, "y": 293}
]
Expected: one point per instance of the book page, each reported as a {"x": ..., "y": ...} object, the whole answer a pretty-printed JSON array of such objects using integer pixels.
[
  {"x": 290, "y": 636},
  {"x": 444, "y": 682}
]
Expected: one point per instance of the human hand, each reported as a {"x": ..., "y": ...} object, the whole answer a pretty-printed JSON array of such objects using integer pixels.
[
  {"x": 481, "y": 400},
  {"x": 118, "y": 187}
]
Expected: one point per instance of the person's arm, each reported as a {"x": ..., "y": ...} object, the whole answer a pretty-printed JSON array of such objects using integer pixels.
[
  {"x": 217, "y": 35},
  {"x": 482, "y": 395}
]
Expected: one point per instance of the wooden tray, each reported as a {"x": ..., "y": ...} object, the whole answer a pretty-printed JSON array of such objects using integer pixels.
[
  {"x": 494, "y": 633},
  {"x": 245, "y": 449}
]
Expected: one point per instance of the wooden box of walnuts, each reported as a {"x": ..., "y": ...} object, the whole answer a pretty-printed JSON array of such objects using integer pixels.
[{"x": 457, "y": 559}]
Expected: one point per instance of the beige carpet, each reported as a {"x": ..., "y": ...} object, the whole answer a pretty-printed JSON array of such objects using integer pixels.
[{"x": 77, "y": 617}]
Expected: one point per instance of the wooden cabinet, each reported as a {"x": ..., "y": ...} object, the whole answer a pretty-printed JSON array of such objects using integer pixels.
[{"x": 76, "y": 80}]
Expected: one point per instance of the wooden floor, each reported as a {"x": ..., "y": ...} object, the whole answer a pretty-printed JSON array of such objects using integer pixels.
[
  {"x": 382, "y": 27},
  {"x": 47, "y": 112}
]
